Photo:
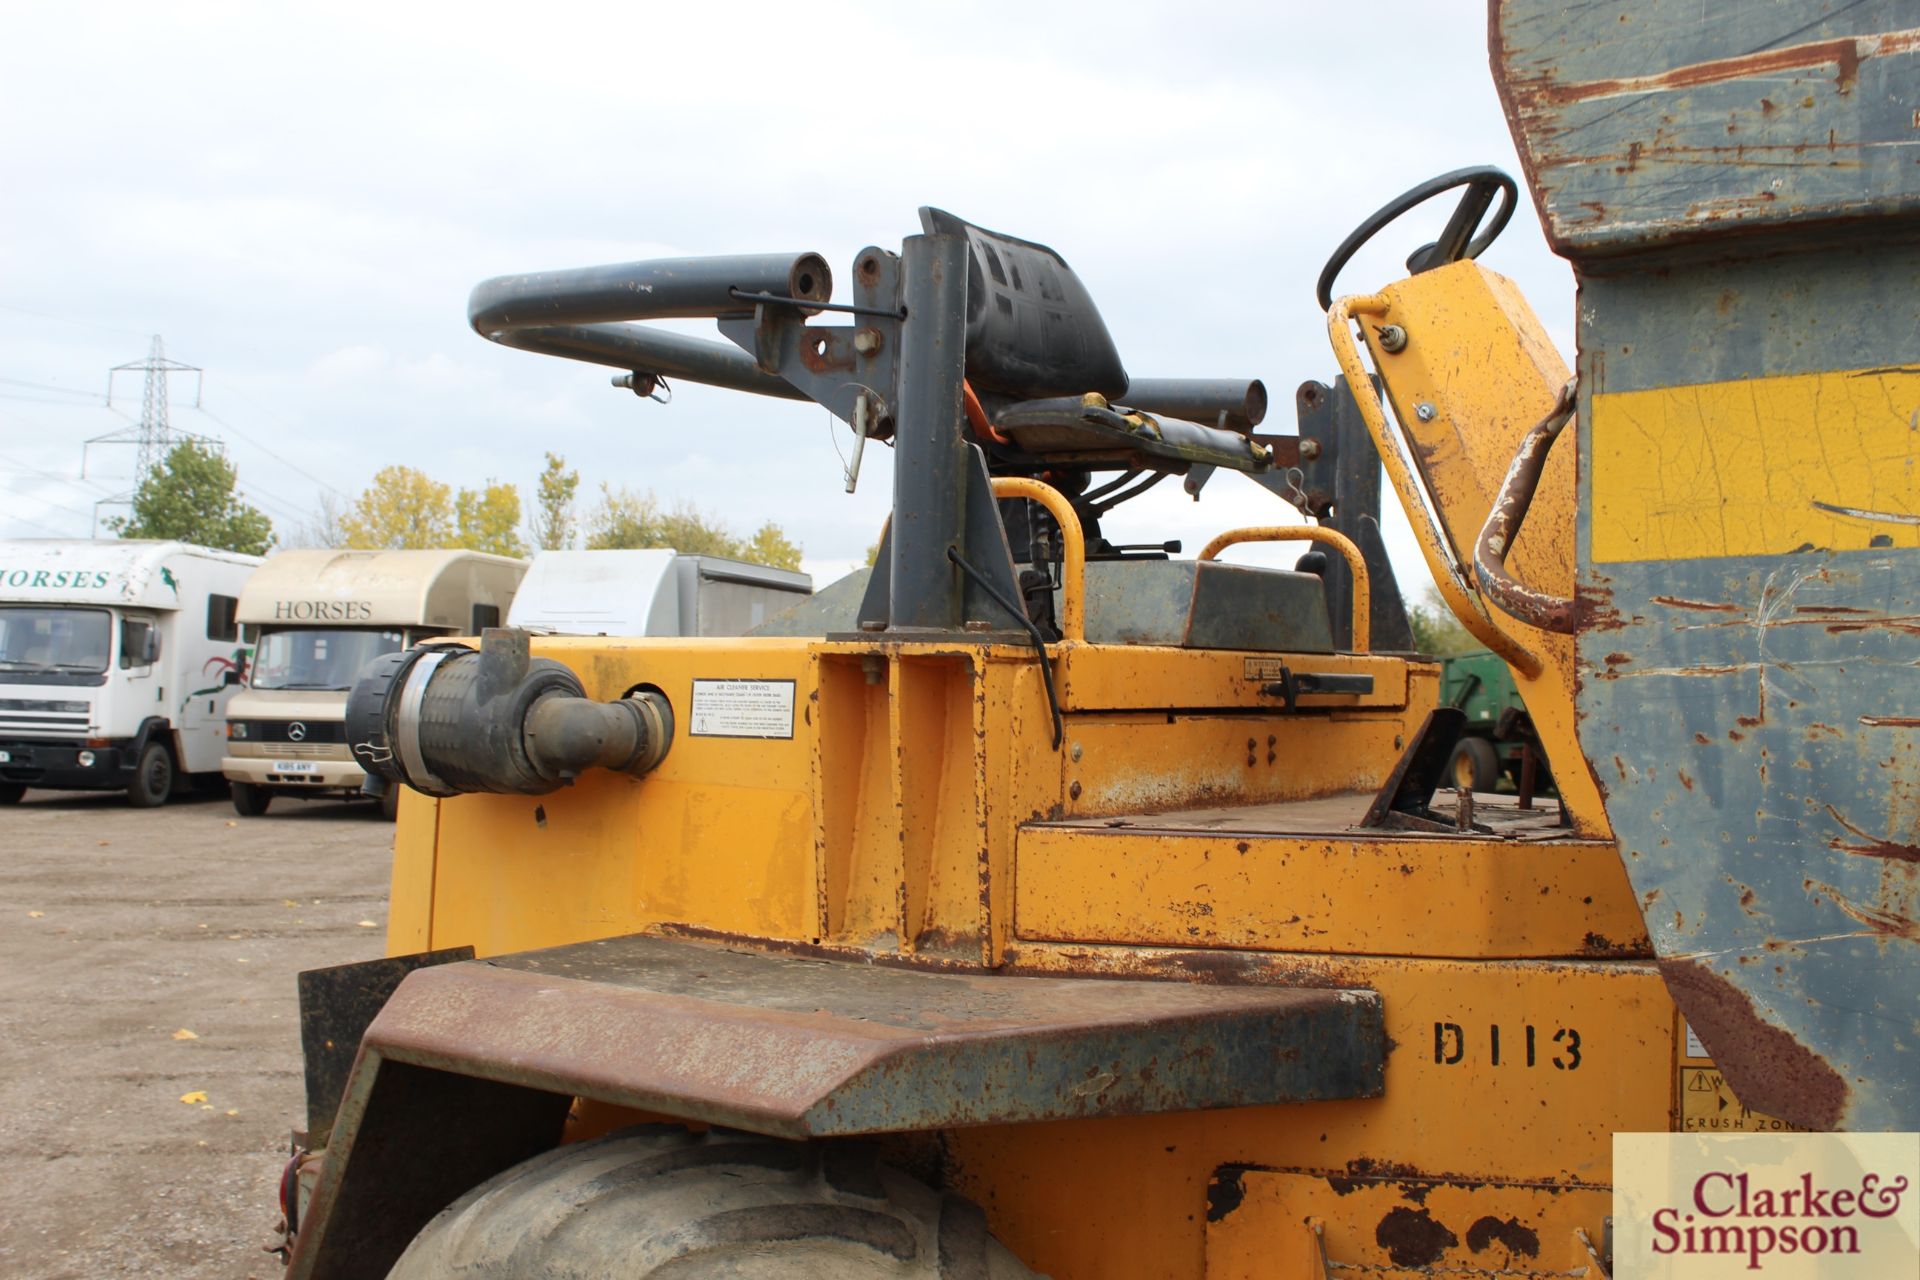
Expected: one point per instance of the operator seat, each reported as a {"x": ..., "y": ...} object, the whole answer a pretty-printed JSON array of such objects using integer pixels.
[{"x": 1048, "y": 374}]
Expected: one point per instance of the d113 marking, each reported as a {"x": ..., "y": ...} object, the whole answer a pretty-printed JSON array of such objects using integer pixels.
[{"x": 1531, "y": 1047}]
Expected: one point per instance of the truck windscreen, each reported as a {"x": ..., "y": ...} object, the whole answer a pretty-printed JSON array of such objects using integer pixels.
[
  {"x": 38, "y": 638},
  {"x": 327, "y": 658}
]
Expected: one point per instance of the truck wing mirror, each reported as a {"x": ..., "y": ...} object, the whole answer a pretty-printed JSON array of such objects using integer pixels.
[{"x": 139, "y": 644}]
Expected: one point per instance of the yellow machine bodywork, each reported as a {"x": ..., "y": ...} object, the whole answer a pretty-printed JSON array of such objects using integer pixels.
[{"x": 1187, "y": 829}]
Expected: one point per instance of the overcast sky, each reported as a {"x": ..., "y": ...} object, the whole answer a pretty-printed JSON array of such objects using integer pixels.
[{"x": 300, "y": 204}]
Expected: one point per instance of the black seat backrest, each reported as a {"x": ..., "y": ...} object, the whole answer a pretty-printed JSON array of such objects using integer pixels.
[{"x": 1032, "y": 328}]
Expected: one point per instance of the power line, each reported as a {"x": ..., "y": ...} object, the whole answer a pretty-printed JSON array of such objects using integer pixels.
[
  {"x": 48, "y": 386},
  {"x": 44, "y": 528},
  {"x": 294, "y": 467},
  {"x": 84, "y": 324},
  {"x": 49, "y": 502}
]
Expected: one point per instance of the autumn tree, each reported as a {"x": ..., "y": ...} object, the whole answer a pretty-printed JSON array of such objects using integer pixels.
[
  {"x": 488, "y": 519},
  {"x": 626, "y": 519},
  {"x": 190, "y": 497},
  {"x": 402, "y": 509},
  {"x": 553, "y": 523},
  {"x": 769, "y": 546}
]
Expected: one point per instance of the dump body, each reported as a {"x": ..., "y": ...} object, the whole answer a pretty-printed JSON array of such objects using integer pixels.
[
  {"x": 1734, "y": 186},
  {"x": 108, "y": 646}
]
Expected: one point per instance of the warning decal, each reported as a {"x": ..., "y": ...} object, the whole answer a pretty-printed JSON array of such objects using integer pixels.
[
  {"x": 1708, "y": 1106},
  {"x": 741, "y": 709}
]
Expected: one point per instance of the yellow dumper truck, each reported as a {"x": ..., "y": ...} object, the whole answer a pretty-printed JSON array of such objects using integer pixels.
[{"x": 1053, "y": 906}]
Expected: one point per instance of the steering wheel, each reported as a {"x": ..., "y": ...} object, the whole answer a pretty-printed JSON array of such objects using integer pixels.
[{"x": 1456, "y": 242}]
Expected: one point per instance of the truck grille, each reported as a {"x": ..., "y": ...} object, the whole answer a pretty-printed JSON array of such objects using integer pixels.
[
  {"x": 43, "y": 717},
  {"x": 288, "y": 751},
  {"x": 278, "y": 731}
]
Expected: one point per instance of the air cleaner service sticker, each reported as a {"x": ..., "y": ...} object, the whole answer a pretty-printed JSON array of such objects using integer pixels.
[{"x": 742, "y": 709}]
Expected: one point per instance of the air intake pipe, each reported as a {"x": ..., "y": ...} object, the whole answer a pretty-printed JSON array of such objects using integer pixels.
[{"x": 445, "y": 719}]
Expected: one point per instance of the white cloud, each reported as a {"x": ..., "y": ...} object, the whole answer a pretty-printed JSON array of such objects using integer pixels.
[{"x": 300, "y": 202}]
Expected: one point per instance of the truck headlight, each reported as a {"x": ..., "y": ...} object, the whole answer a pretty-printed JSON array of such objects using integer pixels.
[
  {"x": 236, "y": 729},
  {"x": 86, "y": 759}
]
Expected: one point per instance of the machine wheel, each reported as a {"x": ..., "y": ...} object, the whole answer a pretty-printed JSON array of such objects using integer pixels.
[
  {"x": 10, "y": 792},
  {"x": 250, "y": 799},
  {"x": 152, "y": 779},
  {"x": 662, "y": 1201},
  {"x": 390, "y": 802},
  {"x": 1474, "y": 765}
]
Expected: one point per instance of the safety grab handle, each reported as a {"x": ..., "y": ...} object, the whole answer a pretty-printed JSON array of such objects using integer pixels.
[
  {"x": 1073, "y": 572},
  {"x": 1536, "y": 608},
  {"x": 1362, "y": 585}
]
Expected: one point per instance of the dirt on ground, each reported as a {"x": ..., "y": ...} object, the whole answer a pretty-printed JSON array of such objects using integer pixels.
[{"x": 150, "y": 1064}]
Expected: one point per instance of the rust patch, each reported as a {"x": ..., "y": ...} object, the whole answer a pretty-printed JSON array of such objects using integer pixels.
[
  {"x": 1519, "y": 1239},
  {"x": 1767, "y": 1068},
  {"x": 1891, "y": 722},
  {"x": 1844, "y": 55},
  {"x": 1885, "y": 922},
  {"x": 1707, "y": 606},
  {"x": 1685, "y": 781},
  {"x": 1226, "y": 1191},
  {"x": 1871, "y": 846},
  {"x": 1412, "y": 1238}
]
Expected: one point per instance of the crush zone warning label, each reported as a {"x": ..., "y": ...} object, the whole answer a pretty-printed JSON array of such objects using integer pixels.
[{"x": 741, "y": 709}]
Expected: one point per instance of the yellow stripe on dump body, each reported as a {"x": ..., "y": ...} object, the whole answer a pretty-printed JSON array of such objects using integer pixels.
[{"x": 1758, "y": 467}]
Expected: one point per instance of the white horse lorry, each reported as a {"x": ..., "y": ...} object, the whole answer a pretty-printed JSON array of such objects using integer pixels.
[
  {"x": 320, "y": 616},
  {"x": 117, "y": 660},
  {"x": 651, "y": 593}
]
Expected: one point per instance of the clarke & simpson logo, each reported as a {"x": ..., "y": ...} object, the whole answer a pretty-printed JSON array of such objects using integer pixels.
[
  {"x": 1725, "y": 1215},
  {"x": 1778, "y": 1205}
]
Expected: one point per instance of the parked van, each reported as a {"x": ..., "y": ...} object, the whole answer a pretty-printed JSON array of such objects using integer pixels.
[
  {"x": 321, "y": 616},
  {"x": 651, "y": 593},
  {"x": 117, "y": 659}
]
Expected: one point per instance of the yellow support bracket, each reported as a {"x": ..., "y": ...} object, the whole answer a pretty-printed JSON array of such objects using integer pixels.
[{"x": 1460, "y": 595}]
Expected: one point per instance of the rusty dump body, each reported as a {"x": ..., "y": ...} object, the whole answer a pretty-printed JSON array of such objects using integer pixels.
[
  {"x": 1129, "y": 907},
  {"x": 1736, "y": 188}
]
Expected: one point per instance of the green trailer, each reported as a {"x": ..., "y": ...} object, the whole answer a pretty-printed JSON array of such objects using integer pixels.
[{"x": 1498, "y": 738}]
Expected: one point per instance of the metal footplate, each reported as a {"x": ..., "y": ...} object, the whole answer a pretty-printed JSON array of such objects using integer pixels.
[{"x": 787, "y": 1045}]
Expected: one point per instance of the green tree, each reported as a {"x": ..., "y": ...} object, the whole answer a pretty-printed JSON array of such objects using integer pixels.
[
  {"x": 190, "y": 496},
  {"x": 488, "y": 519},
  {"x": 1436, "y": 632},
  {"x": 402, "y": 509},
  {"x": 553, "y": 524},
  {"x": 626, "y": 519}
]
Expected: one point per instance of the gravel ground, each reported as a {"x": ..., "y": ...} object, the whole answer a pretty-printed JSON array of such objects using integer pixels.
[{"x": 146, "y": 957}]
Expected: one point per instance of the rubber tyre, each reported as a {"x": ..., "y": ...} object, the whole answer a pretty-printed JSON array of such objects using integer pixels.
[
  {"x": 1474, "y": 765},
  {"x": 390, "y": 802},
  {"x": 11, "y": 792},
  {"x": 661, "y": 1202},
  {"x": 250, "y": 799},
  {"x": 152, "y": 778}
]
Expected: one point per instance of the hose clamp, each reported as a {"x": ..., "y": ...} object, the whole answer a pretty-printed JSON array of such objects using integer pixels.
[{"x": 406, "y": 724}]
